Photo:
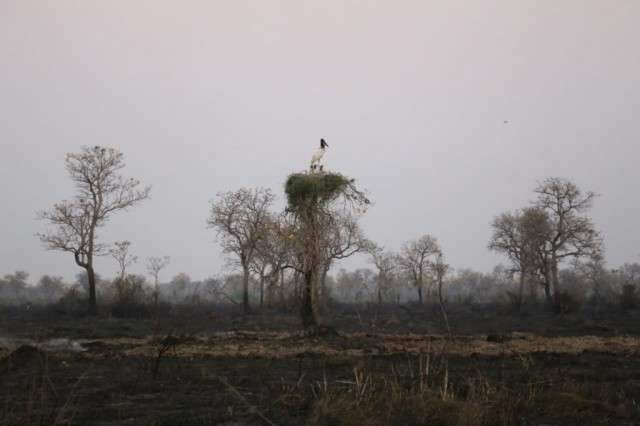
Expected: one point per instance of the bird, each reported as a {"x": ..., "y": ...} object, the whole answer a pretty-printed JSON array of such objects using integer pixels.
[{"x": 317, "y": 156}]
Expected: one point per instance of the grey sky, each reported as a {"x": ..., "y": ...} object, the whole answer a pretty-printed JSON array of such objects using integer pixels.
[{"x": 206, "y": 96}]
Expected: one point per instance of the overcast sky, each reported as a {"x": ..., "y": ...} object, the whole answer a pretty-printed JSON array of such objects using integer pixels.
[{"x": 412, "y": 96}]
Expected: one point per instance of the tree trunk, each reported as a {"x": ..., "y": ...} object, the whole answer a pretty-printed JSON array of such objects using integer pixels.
[
  {"x": 273, "y": 284},
  {"x": 420, "y": 294},
  {"x": 282, "y": 299},
  {"x": 533, "y": 291},
  {"x": 321, "y": 292},
  {"x": 262, "y": 279},
  {"x": 442, "y": 307},
  {"x": 554, "y": 279},
  {"x": 156, "y": 293},
  {"x": 309, "y": 310},
  {"x": 521, "y": 289},
  {"x": 547, "y": 291},
  {"x": 297, "y": 288},
  {"x": 91, "y": 275},
  {"x": 245, "y": 288}
]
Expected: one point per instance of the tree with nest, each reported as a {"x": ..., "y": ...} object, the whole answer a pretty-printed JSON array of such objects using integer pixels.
[
  {"x": 315, "y": 200},
  {"x": 101, "y": 191}
]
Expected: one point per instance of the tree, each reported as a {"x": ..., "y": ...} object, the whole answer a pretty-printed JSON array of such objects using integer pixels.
[
  {"x": 385, "y": 264},
  {"x": 313, "y": 200},
  {"x": 414, "y": 260},
  {"x": 440, "y": 269},
  {"x": 344, "y": 239},
  {"x": 120, "y": 252},
  {"x": 630, "y": 273},
  {"x": 465, "y": 285},
  {"x": 154, "y": 266},
  {"x": 179, "y": 285},
  {"x": 273, "y": 255},
  {"x": 522, "y": 237},
  {"x": 571, "y": 233},
  {"x": 239, "y": 218},
  {"x": 216, "y": 290},
  {"x": 101, "y": 191},
  {"x": 52, "y": 288},
  {"x": 628, "y": 276},
  {"x": 16, "y": 282},
  {"x": 356, "y": 286},
  {"x": 82, "y": 282},
  {"x": 13, "y": 286},
  {"x": 130, "y": 291},
  {"x": 123, "y": 284}
]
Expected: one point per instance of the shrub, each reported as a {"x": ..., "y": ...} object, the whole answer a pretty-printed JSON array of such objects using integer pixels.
[
  {"x": 506, "y": 301},
  {"x": 130, "y": 309},
  {"x": 73, "y": 302},
  {"x": 130, "y": 297},
  {"x": 568, "y": 301},
  {"x": 467, "y": 299}
]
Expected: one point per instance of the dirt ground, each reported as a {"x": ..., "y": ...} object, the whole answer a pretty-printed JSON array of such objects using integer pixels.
[{"x": 391, "y": 365}]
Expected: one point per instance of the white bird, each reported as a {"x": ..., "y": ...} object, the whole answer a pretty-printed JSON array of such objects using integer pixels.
[{"x": 317, "y": 156}]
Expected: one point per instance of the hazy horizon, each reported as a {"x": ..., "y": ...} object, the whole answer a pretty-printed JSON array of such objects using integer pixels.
[{"x": 446, "y": 113}]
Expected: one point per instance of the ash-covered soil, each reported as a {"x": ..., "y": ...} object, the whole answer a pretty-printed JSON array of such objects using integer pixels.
[{"x": 387, "y": 366}]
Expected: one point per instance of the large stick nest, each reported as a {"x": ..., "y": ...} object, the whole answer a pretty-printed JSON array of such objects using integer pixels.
[{"x": 304, "y": 189}]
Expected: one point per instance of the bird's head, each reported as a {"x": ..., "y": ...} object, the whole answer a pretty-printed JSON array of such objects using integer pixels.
[{"x": 323, "y": 144}]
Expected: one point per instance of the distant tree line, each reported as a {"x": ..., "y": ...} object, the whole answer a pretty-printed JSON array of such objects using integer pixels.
[{"x": 284, "y": 259}]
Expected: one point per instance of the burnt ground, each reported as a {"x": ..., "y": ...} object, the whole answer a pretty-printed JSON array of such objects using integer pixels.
[{"x": 391, "y": 365}]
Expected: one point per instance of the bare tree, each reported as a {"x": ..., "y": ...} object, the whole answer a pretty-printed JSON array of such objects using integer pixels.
[
  {"x": 218, "y": 290},
  {"x": 51, "y": 287},
  {"x": 154, "y": 266},
  {"x": 101, "y": 191},
  {"x": 592, "y": 270},
  {"x": 356, "y": 286},
  {"x": 120, "y": 252},
  {"x": 385, "y": 264},
  {"x": 522, "y": 237},
  {"x": 572, "y": 234},
  {"x": 273, "y": 255},
  {"x": 344, "y": 239},
  {"x": 13, "y": 286},
  {"x": 414, "y": 260},
  {"x": 179, "y": 285},
  {"x": 239, "y": 218},
  {"x": 260, "y": 269},
  {"x": 440, "y": 269},
  {"x": 630, "y": 273}
]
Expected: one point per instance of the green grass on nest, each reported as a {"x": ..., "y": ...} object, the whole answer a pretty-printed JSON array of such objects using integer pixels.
[{"x": 303, "y": 189}]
